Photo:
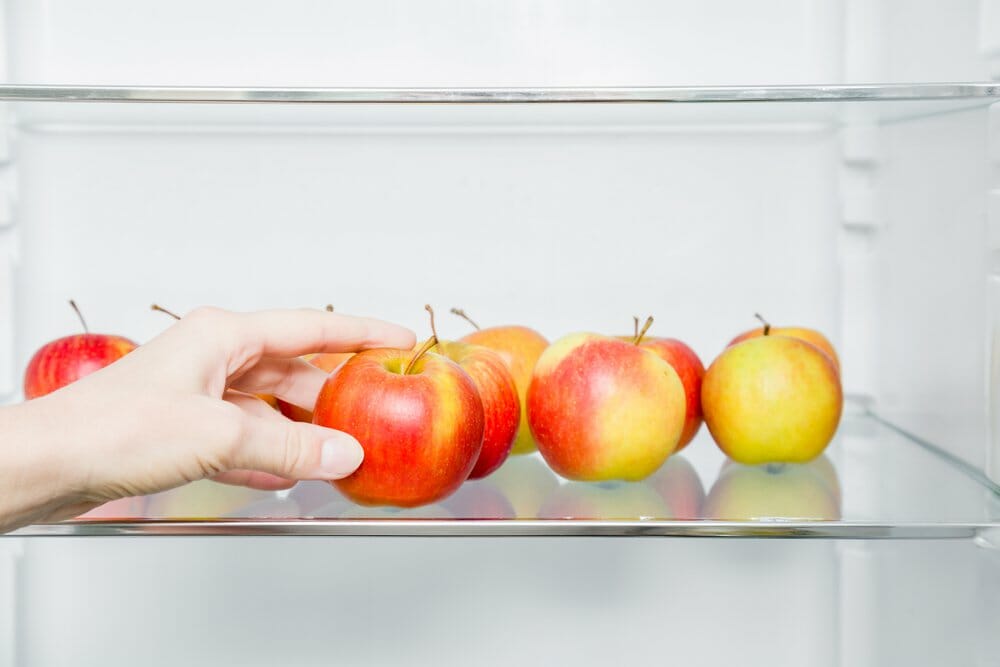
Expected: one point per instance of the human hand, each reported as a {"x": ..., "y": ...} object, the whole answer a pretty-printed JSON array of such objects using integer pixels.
[{"x": 181, "y": 408}]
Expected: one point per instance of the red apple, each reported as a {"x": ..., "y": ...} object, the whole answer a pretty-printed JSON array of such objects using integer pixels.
[
  {"x": 520, "y": 348},
  {"x": 68, "y": 359},
  {"x": 501, "y": 408},
  {"x": 418, "y": 417},
  {"x": 603, "y": 409}
]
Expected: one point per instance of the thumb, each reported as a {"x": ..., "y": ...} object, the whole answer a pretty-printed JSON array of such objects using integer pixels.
[{"x": 297, "y": 450}]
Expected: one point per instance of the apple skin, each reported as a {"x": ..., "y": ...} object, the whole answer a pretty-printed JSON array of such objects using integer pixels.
[
  {"x": 772, "y": 399},
  {"x": 422, "y": 432},
  {"x": 808, "y": 335},
  {"x": 520, "y": 348},
  {"x": 325, "y": 361},
  {"x": 66, "y": 360},
  {"x": 690, "y": 370},
  {"x": 794, "y": 491},
  {"x": 501, "y": 407},
  {"x": 602, "y": 409}
]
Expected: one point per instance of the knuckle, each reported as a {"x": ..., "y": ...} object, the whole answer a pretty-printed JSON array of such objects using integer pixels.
[
  {"x": 295, "y": 455},
  {"x": 230, "y": 434}
]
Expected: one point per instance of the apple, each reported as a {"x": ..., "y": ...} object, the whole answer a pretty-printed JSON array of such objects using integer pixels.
[
  {"x": 680, "y": 487},
  {"x": 418, "y": 417},
  {"x": 689, "y": 368},
  {"x": 788, "y": 491},
  {"x": 65, "y": 360},
  {"x": 808, "y": 335},
  {"x": 501, "y": 407},
  {"x": 325, "y": 361},
  {"x": 526, "y": 482},
  {"x": 772, "y": 399},
  {"x": 519, "y": 347},
  {"x": 602, "y": 409}
]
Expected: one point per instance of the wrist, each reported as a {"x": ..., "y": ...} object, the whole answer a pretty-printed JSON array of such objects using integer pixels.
[{"x": 37, "y": 477}]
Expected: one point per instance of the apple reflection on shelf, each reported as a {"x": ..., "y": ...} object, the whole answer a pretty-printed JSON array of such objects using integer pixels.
[
  {"x": 674, "y": 492},
  {"x": 775, "y": 492}
]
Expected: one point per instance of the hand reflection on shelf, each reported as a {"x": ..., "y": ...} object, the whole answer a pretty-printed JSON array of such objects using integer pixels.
[
  {"x": 203, "y": 499},
  {"x": 123, "y": 508},
  {"x": 775, "y": 492}
]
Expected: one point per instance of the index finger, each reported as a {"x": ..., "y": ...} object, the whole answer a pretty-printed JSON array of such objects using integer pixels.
[{"x": 293, "y": 332}]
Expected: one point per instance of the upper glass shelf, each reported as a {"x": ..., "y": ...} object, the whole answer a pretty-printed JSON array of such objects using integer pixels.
[
  {"x": 875, "y": 481},
  {"x": 550, "y": 95},
  {"x": 544, "y": 107}
]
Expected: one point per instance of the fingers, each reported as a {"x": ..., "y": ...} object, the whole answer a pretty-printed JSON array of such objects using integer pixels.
[
  {"x": 291, "y": 380},
  {"x": 290, "y": 333},
  {"x": 295, "y": 450}
]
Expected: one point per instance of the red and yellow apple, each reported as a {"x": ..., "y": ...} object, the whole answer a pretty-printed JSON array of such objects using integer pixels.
[
  {"x": 418, "y": 417},
  {"x": 783, "y": 492},
  {"x": 772, "y": 399},
  {"x": 66, "y": 360},
  {"x": 604, "y": 409},
  {"x": 519, "y": 347},
  {"x": 501, "y": 407},
  {"x": 802, "y": 333},
  {"x": 689, "y": 368}
]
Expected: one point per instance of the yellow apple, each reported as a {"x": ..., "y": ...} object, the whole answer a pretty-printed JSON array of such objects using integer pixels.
[{"x": 772, "y": 399}]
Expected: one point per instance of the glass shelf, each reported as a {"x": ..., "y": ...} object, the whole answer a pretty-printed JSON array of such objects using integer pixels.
[
  {"x": 875, "y": 481},
  {"x": 565, "y": 109},
  {"x": 672, "y": 94}
]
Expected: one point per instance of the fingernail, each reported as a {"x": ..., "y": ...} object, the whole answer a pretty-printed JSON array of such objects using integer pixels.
[{"x": 341, "y": 456}]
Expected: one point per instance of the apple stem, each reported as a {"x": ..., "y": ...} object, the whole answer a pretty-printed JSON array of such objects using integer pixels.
[
  {"x": 645, "y": 328},
  {"x": 434, "y": 332},
  {"x": 329, "y": 308},
  {"x": 428, "y": 344},
  {"x": 461, "y": 313},
  {"x": 83, "y": 322},
  {"x": 767, "y": 325},
  {"x": 161, "y": 309},
  {"x": 635, "y": 327}
]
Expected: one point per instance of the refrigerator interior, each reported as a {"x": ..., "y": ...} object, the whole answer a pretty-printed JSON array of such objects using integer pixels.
[{"x": 874, "y": 222}]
